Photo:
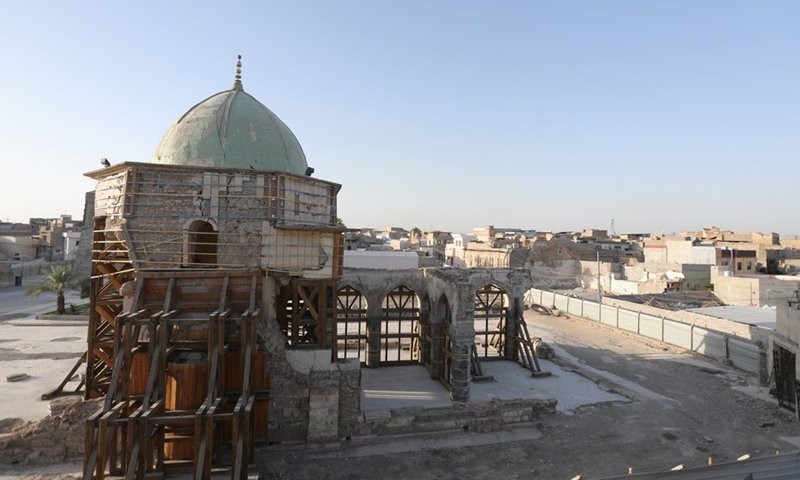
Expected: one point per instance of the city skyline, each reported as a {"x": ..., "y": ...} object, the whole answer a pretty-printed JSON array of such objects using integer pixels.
[{"x": 446, "y": 116}]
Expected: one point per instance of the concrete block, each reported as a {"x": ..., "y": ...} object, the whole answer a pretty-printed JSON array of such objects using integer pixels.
[
  {"x": 17, "y": 377},
  {"x": 306, "y": 361}
]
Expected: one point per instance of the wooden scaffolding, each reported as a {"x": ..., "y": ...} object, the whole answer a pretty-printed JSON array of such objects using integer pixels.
[{"x": 187, "y": 386}]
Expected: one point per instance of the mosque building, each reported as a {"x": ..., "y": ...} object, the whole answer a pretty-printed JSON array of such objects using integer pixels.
[{"x": 221, "y": 314}]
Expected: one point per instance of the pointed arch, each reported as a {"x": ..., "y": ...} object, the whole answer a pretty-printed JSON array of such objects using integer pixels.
[
  {"x": 491, "y": 317},
  {"x": 351, "y": 324},
  {"x": 400, "y": 329}
]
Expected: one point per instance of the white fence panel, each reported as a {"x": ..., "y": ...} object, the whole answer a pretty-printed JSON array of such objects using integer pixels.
[
  {"x": 591, "y": 310},
  {"x": 560, "y": 302},
  {"x": 608, "y": 315},
  {"x": 651, "y": 326},
  {"x": 548, "y": 299},
  {"x": 678, "y": 334},
  {"x": 575, "y": 306},
  {"x": 706, "y": 342},
  {"x": 628, "y": 320},
  {"x": 533, "y": 297},
  {"x": 744, "y": 355}
]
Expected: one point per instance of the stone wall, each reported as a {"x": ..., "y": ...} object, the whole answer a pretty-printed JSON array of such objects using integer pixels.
[
  {"x": 312, "y": 398},
  {"x": 475, "y": 417},
  {"x": 83, "y": 257}
]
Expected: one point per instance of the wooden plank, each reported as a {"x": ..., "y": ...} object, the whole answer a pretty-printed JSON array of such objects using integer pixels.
[
  {"x": 52, "y": 393},
  {"x": 223, "y": 294},
  {"x": 168, "y": 297}
]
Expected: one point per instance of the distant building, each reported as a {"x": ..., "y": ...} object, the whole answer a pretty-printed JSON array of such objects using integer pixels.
[{"x": 454, "y": 252}]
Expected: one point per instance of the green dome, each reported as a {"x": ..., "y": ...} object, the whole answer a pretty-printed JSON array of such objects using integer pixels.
[{"x": 231, "y": 130}]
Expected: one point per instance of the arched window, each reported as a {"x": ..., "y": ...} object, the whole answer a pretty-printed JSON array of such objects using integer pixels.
[{"x": 201, "y": 244}]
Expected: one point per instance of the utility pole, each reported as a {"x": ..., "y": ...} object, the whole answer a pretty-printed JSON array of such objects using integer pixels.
[{"x": 599, "y": 289}]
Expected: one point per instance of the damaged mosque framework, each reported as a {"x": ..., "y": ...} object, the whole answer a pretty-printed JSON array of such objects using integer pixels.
[{"x": 222, "y": 316}]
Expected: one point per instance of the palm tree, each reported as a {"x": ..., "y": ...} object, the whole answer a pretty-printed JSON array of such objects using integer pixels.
[
  {"x": 416, "y": 232},
  {"x": 58, "y": 280}
]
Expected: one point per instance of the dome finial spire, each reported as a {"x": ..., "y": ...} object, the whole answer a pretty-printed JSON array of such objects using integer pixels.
[{"x": 237, "y": 83}]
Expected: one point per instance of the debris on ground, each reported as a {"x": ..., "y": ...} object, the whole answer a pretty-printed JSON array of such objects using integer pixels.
[{"x": 51, "y": 440}]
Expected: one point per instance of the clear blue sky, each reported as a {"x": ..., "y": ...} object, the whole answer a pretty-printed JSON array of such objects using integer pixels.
[{"x": 550, "y": 115}]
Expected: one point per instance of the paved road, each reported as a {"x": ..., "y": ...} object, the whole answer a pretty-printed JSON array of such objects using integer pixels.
[{"x": 14, "y": 304}]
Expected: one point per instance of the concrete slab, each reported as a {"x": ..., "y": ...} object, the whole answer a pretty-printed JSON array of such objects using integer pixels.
[{"x": 388, "y": 388}]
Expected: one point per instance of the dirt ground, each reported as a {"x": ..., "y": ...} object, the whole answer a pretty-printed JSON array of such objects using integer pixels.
[{"x": 683, "y": 409}]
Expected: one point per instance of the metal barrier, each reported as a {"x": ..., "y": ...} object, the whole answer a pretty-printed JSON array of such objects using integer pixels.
[{"x": 743, "y": 354}]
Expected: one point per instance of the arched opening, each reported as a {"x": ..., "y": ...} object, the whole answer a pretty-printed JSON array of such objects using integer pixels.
[
  {"x": 201, "y": 244},
  {"x": 491, "y": 316},
  {"x": 351, "y": 324},
  {"x": 400, "y": 327}
]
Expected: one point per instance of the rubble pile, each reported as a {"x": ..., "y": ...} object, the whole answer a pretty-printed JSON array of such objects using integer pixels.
[{"x": 53, "y": 439}]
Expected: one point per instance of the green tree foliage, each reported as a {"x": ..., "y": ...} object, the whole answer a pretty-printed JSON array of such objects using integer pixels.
[
  {"x": 340, "y": 223},
  {"x": 59, "y": 280},
  {"x": 416, "y": 232}
]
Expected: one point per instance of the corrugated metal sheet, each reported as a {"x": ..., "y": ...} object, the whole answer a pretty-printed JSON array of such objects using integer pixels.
[
  {"x": 608, "y": 315},
  {"x": 775, "y": 467},
  {"x": 548, "y": 299},
  {"x": 628, "y": 320},
  {"x": 575, "y": 307},
  {"x": 744, "y": 355},
  {"x": 678, "y": 334},
  {"x": 650, "y": 326},
  {"x": 591, "y": 310},
  {"x": 560, "y": 301},
  {"x": 708, "y": 343}
]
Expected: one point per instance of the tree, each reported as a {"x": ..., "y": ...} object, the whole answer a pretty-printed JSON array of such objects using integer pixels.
[
  {"x": 416, "y": 232},
  {"x": 59, "y": 280},
  {"x": 340, "y": 223}
]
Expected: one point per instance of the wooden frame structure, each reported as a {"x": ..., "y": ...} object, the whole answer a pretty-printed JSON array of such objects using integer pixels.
[
  {"x": 400, "y": 326},
  {"x": 112, "y": 267},
  {"x": 306, "y": 313},
  {"x": 491, "y": 313},
  {"x": 351, "y": 324},
  {"x": 157, "y": 414}
]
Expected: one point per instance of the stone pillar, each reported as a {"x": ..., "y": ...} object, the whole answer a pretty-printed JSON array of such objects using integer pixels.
[
  {"x": 83, "y": 255},
  {"x": 436, "y": 348},
  {"x": 374, "y": 316},
  {"x": 460, "y": 368},
  {"x": 510, "y": 350},
  {"x": 462, "y": 332}
]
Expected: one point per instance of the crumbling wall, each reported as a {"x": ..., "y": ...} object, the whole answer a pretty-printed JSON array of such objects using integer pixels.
[
  {"x": 475, "y": 417},
  {"x": 159, "y": 205},
  {"x": 311, "y": 398}
]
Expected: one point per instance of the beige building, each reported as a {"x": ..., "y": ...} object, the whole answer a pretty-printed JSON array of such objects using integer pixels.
[{"x": 755, "y": 290}]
